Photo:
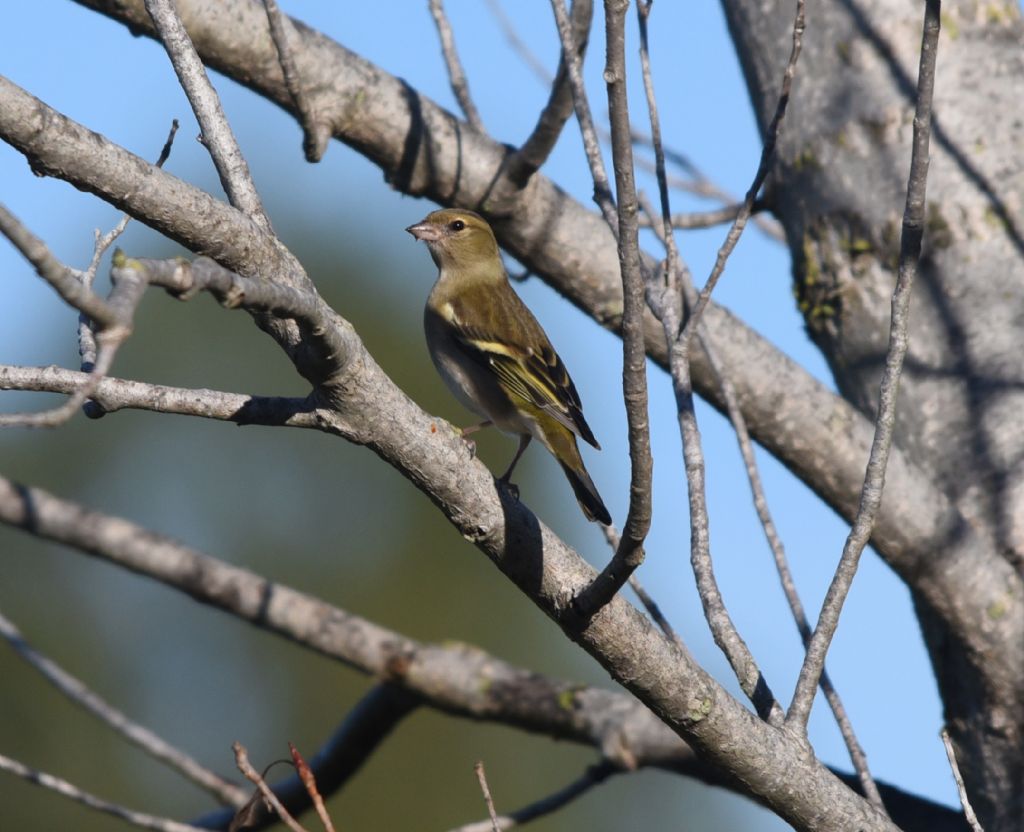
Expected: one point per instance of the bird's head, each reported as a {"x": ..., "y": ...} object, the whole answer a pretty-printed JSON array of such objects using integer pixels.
[{"x": 457, "y": 238}]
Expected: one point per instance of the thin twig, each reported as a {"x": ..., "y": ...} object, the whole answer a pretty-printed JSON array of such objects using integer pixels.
[
  {"x": 54, "y": 272},
  {"x": 517, "y": 44},
  {"x": 309, "y": 782},
  {"x": 315, "y": 133},
  {"x": 225, "y": 791},
  {"x": 630, "y": 552},
  {"x": 123, "y": 299},
  {"x": 874, "y": 477},
  {"x": 591, "y": 146},
  {"x": 593, "y": 776},
  {"x": 253, "y": 776},
  {"x": 86, "y": 330},
  {"x": 339, "y": 759},
  {"x": 481, "y": 776},
  {"x": 703, "y": 219},
  {"x": 961, "y": 789},
  {"x": 456, "y": 75},
  {"x": 853, "y": 746},
  {"x": 723, "y": 630},
  {"x": 72, "y": 792},
  {"x": 767, "y": 151},
  {"x": 217, "y": 135},
  {"x": 611, "y": 534}
]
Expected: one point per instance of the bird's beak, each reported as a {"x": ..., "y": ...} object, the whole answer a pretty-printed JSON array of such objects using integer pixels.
[{"x": 425, "y": 231}]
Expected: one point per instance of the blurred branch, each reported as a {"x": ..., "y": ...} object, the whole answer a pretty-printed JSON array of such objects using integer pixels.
[
  {"x": 874, "y": 476},
  {"x": 595, "y": 775},
  {"x": 72, "y": 792},
  {"x": 524, "y": 52},
  {"x": 456, "y": 75},
  {"x": 361, "y": 733},
  {"x": 700, "y": 185},
  {"x": 225, "y": 791}
]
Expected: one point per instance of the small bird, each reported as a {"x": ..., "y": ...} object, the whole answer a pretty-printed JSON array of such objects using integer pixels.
[{"x": 494, "y": 356}]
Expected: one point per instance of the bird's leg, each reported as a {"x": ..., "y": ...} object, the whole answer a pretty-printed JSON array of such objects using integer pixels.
[
  {"x": 473, "y": 429},
  {"x": 524, "y": 440}
]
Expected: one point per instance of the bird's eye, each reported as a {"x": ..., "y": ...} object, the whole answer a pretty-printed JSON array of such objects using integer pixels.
[{"x": 456, "y": 225}]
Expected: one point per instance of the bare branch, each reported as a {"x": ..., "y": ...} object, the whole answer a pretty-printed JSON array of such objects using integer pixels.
[
  {"x": 538, "y": 146},
  {"x": 315, "y": 132},
  {"x": 309, "y": 782},
  {"x": 225, "y": 791},
  {"x": 124, "y": 298},
  {"x": 59, "y": 276},
  {"x": 665, "y": 298},
  {"x": 630, "y": 552},
  {"x": 874, "y": 476},
  {"x": 481, "y": 776},
  {"x": 72, "y": 792},
  {"x": 114, "y": 394},
  {"x": 648, "y": 603},
  {"x": 456, "y": 75},
  {"x": 217, "y": 135},
  {"x": 703, "y": 219},
  {"x": 244, "y": 766},
  {"x": 570, "y": 52},
  {"x": 326, "y": 336},
  {"x": 767, "y": 151},
  {"x": 961, "y": 789}
]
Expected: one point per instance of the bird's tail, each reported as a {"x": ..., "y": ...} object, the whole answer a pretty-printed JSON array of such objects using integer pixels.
[
  {"x": 562, "y": 444},
  {"x": 586, "y": 494}
]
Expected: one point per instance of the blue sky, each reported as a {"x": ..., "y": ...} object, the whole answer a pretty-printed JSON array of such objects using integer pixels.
[{"x": 121, "y": 86}]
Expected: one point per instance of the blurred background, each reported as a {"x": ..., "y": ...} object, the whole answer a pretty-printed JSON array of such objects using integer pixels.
[{"x": 318, "y": 514}]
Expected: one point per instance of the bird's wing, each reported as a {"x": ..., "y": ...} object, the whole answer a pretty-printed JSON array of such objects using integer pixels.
[{"x": 527, "y": 368}]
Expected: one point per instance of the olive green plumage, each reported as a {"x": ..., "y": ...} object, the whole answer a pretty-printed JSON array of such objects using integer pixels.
[{"x": 492, "y": 353}]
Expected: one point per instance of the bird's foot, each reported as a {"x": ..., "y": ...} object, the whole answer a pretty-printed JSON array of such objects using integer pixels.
[{"x": 470, "y": 446}]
